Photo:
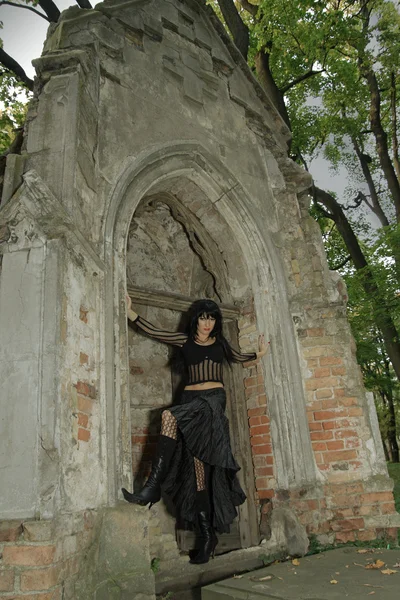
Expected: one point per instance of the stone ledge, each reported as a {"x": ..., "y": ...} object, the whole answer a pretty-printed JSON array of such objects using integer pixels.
[{"x": 179, "y": 575}]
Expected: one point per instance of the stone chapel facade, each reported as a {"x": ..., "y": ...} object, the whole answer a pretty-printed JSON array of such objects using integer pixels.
[{"x": 153, "y": 161}]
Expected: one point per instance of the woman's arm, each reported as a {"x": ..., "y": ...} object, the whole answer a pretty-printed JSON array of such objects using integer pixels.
[
  {"x": 168, "y": 337},
  {"x": 242, "y": 358},
  {"x": 263, "y": 348}
]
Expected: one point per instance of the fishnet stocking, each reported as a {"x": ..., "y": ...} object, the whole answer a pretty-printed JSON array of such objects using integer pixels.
[
  {"x": 200, "y": 474},
  {"x": 169, "y": 426}
]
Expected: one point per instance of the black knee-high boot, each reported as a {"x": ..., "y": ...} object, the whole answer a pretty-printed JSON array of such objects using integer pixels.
[
  {"x": 208, "y": 539},
  {"x": 151, "y": 491}
]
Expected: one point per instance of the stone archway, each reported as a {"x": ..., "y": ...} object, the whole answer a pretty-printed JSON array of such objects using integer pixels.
[
  {"x": 221, "y": 205},
  {"x": 171, "y": 261}
]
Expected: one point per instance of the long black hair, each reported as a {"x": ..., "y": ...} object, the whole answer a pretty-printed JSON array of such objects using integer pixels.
[{"x": 208, "y": 308}]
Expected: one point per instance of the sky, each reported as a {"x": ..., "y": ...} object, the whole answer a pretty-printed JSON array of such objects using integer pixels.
[{"x": 20, "y": 24}]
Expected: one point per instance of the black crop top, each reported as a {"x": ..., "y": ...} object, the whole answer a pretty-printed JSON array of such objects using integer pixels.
[{"x": 204, "y": 363}]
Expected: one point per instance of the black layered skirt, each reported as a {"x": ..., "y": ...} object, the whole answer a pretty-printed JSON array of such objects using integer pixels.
[{"x": 203, "y": 432}]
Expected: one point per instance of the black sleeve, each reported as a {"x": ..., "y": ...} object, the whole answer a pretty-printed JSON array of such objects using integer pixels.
[
  {"x": 242, "y": 358},
  {"x": 168, "y": 337}
]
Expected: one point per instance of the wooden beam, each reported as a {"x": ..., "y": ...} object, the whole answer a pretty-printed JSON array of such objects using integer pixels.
[{"x": 175, "y": 302}]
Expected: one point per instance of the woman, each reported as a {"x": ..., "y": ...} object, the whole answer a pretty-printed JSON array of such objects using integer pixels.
[{"x": 194, "y": 459}]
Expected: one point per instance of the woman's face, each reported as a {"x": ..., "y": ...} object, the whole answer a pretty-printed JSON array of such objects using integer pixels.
[{"x": 205, "y": 325}]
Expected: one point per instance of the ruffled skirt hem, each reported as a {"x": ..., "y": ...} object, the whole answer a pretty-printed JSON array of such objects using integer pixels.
[{"x": 203, "y": 432}]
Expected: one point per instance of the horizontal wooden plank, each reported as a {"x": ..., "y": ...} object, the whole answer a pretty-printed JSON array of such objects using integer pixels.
[{"x": 176, "y": 302}]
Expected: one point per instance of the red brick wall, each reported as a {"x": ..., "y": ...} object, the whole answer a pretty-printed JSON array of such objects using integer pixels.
[
  {"x": 345, "y": 512},
  {"x": 343, "y": 509},
  {"x": 41, "y": 560},
  {"x": 260, "y": 434},
  {"x": 257, "y": 410},
  {"x": 85, "y": 387}
]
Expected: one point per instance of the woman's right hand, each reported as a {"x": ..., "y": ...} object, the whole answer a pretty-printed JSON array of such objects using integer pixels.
[{"x": 132, "y": 316}]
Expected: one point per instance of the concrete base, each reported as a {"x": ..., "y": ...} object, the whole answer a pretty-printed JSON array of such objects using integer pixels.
[
  {"x": 123, "y": 567},
  {"x": 180, "y": 576},
  {"x": 333, "y": 575}
]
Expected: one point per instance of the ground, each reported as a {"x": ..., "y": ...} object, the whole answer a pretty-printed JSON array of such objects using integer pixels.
[
  {"x": 348, "y": 572},
  {"x": 346, "y": 566}
]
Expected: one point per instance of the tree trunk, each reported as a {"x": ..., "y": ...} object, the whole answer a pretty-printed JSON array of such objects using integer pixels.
[
  {"x": 51, "y": 10},
  {"x": 13, "y": 67},
  {"x": 382, "y": 314},
  {"x": 236, "y": 26},
  {"x": 381, "y": 139},
  {"x": 393, "y": 110},
  {"x": 376, "y": 206},
  {"x": 392, "y": 437},
  {"x": 265, "y": 78}
]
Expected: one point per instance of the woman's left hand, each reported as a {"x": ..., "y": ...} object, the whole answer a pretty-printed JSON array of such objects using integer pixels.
[{"x": 263, "y": 348}]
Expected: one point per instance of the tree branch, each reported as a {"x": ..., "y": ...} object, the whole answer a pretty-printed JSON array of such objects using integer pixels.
[
  {"x": 50, "y": 9},
  {"x": 8, "y": 3},
  {"x": 236, "y": 26},
  {"x": 267, "y": 81},
  {"x": 84, "y": 4},
  {"x": 381, "y": 312},
  {"x": 251, "y": 8},
  {"x": 341, "y": 265},
  {"x": 299, "y": 79},
  {"x": 358, "y": 200},
  {"x": 15, "y": 68}
]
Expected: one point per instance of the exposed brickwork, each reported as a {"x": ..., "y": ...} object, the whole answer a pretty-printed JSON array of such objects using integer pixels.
[
  {"x": 43, "y": 558},
  {"x": 345, "y": 512},
  {"x": 7, "y": 579},
  {"x": 334, "y": 415},
  {"x": 28, "y": 556},
  {"x": 256, "y": 399},
  {"x": 10, "y": 531},
  {"x": 86, "y": 396},
  {"x": 83, "y": 314},
  {"x": 144, "y": 446}
]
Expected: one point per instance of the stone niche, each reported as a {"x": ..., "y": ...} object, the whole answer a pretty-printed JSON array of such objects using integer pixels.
[{"x": 154, "y": 162}]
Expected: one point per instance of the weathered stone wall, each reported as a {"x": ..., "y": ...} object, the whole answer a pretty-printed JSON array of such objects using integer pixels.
[{"x": 77, "y": 556}]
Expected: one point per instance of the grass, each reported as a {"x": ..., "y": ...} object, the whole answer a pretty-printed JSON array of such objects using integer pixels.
[{"x": 394, "y": 472}]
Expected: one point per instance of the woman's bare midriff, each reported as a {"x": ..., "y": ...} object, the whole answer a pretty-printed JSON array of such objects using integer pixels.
[{"x": 207, "y": 385}]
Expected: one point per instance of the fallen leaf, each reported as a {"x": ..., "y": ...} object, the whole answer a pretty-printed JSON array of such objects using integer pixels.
[
  {"x": 370, "y": 593},
  {"x": 388, "y": 572},
  {"x": 365, "y": 551},
  {"x": 358, "y": 565},
  {"x": 337, "y": 572},
  {"x": 281, "y": 578},
  {"x": 374, "y": 586},
  {"x": 333, "y": 581},
  {"x": 296, "y": 562},
  {"x": 378, "y": 564},
  {"x": 265, "y": 578},
  {"x": 397, "y": 565},
  {"x": 237, "y": 576}
]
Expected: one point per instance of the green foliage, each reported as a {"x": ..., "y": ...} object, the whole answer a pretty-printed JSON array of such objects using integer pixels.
[
  {"x": 155, "y": 565},
  {"x": 14, "y": 98},
  {"x": 13, "y": 106},
  {"x": 330, "y": 108},
  {"x": 394, "y": 472}
]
